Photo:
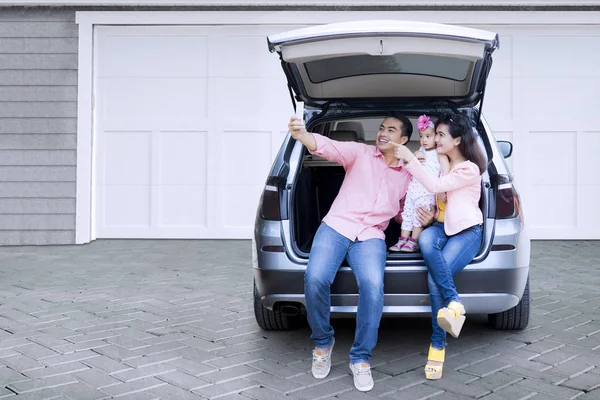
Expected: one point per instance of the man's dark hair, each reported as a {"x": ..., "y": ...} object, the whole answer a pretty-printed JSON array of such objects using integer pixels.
[{"x": 407, "y": 128}]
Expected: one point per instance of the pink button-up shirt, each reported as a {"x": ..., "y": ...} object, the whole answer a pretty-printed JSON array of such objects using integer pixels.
[{"x": 371, "y": 192}]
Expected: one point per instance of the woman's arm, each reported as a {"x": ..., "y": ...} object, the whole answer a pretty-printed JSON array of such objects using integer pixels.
[{"x": 462, "y": 175}]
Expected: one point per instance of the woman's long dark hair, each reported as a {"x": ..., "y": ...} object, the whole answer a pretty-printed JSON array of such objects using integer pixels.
[{"x": 460, "y": 126}]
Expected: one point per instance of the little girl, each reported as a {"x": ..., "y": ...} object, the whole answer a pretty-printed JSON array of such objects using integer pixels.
[{"x": 417, "y": 195}]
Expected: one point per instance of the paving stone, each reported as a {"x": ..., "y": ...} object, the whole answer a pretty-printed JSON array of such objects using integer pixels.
[
  {"x": 261, "y": 393},
  {"x": 144, "y": 372},
  {"x": 21, "y": 363},
  {"x": 72, "y": 348},
  {"x": 513, "y": 392},
  {"x": 572, "y": 368},
  {"x": 277, "y": 369},
  {"x": 486, "y": 367},
  {"x": 321, "y": 390},
  {"x": 585, "y": 382},
  {"x": 117, "y": 352},
  {"x": 132, "y": 387},
  {"x": 275, "y": 382},
  {"x": 191, "y": 367},
  {"x": 170, "y": 392},
  {"x": 229, "y": 387},
  {"x": 43, "y": 394},
  {"x": 96, "y": 378},
  {"x": 68, "y": 358},
  {"x": 593, "y": 395},
  {"x": 542, "y": 387},
  {"x": 80, "y": 391},
  {"x": 106, "y": 364},
  {"x": 421, "y": 391},
  {"x": 240, "y": 371},
  {"x": 183, "y": 380},
  {"x": 38, "y": 384},
  {"x": 152, "y": 359},
  {"x": 8, "y": 375},
  {"x": 57, "y": 370}
]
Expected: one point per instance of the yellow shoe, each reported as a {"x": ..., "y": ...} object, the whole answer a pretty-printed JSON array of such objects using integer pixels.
[
  {"x": 434, "y": 371},
  {"x": 452, "y": 318}
]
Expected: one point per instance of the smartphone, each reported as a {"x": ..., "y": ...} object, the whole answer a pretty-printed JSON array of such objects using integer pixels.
[{"x": 300, "y": 110}]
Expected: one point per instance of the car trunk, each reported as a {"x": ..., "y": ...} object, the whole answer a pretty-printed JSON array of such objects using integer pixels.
[{"x": 316, "y": 187}]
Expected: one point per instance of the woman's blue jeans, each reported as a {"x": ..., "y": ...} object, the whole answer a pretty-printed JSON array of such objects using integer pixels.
[
  {"x": 445, "y": 256},
  {"x": 367, "y": 261}
]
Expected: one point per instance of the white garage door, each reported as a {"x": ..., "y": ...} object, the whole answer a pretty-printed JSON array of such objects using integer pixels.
[
  {"x": 188, "y": 120},
  {"x": 543, "y": 96}
]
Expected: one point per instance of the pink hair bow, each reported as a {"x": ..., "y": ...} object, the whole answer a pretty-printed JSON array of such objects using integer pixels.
[{"x": 424, "y": 122}]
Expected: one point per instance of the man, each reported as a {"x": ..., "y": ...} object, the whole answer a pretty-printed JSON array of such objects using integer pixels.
[{"x": 354, "y": 228}]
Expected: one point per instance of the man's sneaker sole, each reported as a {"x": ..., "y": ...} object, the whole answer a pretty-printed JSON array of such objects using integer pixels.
[{"x": 321, "y": 376}]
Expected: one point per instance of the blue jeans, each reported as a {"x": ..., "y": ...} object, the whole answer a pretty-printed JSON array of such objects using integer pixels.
[
  {"x": 445, "y": 256},
  {"x": 367, "y": 261}
]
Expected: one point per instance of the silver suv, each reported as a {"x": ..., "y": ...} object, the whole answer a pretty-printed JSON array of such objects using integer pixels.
[{"x": 351, "y": 76}]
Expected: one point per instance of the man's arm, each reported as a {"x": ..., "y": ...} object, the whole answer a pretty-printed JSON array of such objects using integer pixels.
[
  {"x": 298, "y": 132},
  {"x": 343, "y": 153}
]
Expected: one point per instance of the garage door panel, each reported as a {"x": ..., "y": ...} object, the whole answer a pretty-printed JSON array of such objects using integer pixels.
[
  {"x": 551, "y": 56},
  {"x": 152, "y": 101},
  {"x": 588, "y": 161},
  {"x": 183, "y": 206},
  {"x": 183, "y": 158},
  {"x": 564, "y": 172},
  {"x": 561, "y": 103},
  {"x": 153, "y": 56},
  {"x": 588, "y": 212},
  {"x": 127, "y": 158},
  {"x": 242, "y": 56},
  {"x": 128, "y": 206},
  {"x": 239, "y": 204},
  {"x": 499, "y": 100},
  {"x": 236, "y": 102},
  {"x": 245, "y": 157},
  {"x": 552, "y": 206}
]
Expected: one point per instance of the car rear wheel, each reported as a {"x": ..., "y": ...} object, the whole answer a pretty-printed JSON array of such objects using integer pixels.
[
  {"x": 276, "y": 319},
  {"x": 514, "y": 319}
]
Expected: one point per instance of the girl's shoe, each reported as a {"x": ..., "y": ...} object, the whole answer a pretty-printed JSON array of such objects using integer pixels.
[
  {"x": 398, "y": 245},
  {"x": 452, "y": 318},
  {"x": 410, "y": 246},
  {"x": 434, "y": 370}
]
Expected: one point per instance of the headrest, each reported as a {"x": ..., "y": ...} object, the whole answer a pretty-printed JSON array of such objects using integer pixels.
[
  {"x": 343, "y": 136},
  {"x": 352, "y": 126}
]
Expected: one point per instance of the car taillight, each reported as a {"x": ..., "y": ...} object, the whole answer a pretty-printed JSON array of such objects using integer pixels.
[
  {"x": 270, "y": 207},
  {"x": 508, "y": 203}
]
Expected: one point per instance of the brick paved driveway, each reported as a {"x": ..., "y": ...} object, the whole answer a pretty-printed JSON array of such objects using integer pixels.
[{"x": 174, "y": 320}]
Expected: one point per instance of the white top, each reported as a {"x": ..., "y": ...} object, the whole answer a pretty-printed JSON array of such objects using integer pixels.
[{"x": 432, "y": 164}]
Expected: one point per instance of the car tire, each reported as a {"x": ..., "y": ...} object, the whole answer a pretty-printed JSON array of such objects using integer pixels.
[
  {"x": 514, "y": 319},
  {"x": 274, "y": 320}
]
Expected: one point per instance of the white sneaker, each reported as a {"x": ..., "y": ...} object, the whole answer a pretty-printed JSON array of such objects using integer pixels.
[
  {"x": 363, "y": 380},
  {"x": 321, "y": 364}
]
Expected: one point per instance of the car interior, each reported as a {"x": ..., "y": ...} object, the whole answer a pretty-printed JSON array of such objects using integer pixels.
[{"x": 320, "y": 180}]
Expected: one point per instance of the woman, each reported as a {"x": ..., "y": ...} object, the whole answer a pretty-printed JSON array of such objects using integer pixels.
[{"x": 454, "y": 238}]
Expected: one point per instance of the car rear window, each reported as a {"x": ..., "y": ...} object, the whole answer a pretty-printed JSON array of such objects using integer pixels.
[{"x": 411, "y": 64}]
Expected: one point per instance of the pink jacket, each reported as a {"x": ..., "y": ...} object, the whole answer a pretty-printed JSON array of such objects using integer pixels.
[{"x": 463, "y": 187}]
